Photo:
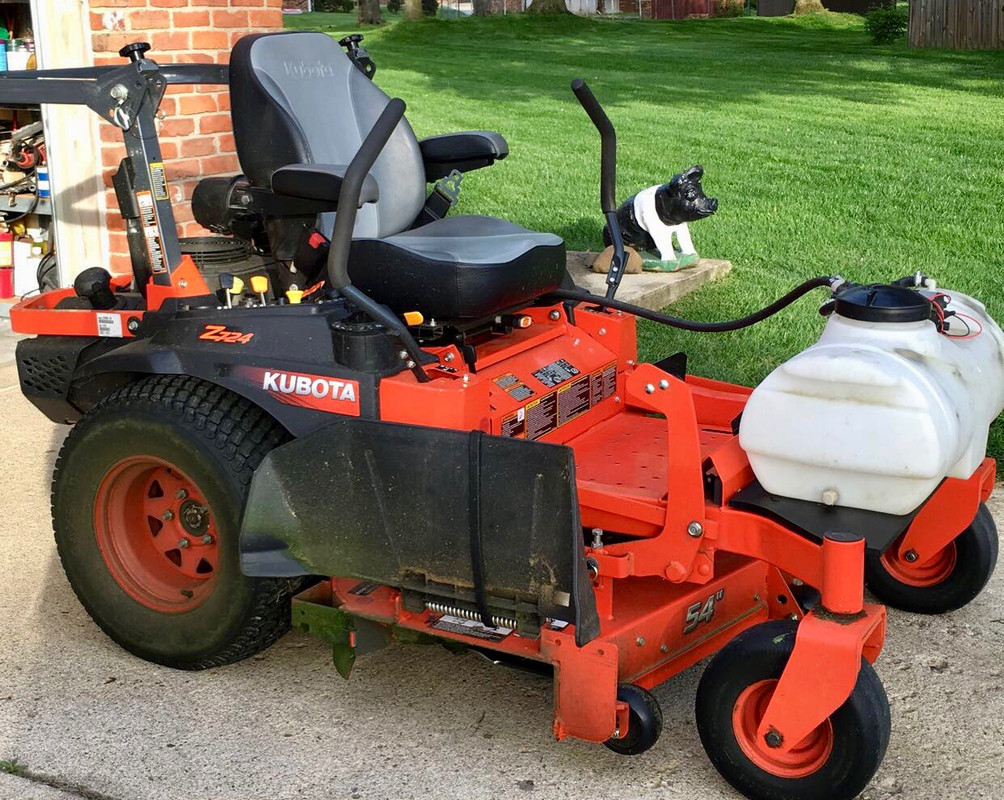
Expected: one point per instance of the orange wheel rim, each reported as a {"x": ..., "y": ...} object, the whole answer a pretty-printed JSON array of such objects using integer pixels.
[
  {"x": 935, "y": 570},
  {"x": 805, "y": 758},
  {"x": 156, "y": 534}
]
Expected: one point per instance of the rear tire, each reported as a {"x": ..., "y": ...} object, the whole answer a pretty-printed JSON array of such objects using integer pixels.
[
  {"x": 170, "y": 457},
  {"x": 949, "y": 581},
  {"x": 835, "y": 762}
]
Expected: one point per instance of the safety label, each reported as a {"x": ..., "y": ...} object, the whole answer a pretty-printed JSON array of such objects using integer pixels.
[
  {"x": 469, "y": 627},
  {"x": 603, "y": 383},
  {"x": 542, "y": 416},
  {"x": 514, "y": 387},
  {"x": 573, "y": 399},
  {"x": 158, "y": 180},
  {"x": 110, "y": 325},
  {"x": 151, "y": 230},
  {"x": 556, "y": 372},
  {"x": 514, "y": 425}
]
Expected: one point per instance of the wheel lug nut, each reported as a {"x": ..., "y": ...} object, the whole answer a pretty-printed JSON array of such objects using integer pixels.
[
  {"x": 773, "y": 739},
  {"x": 911, "y": 556},
  {"x": 181, "y": 494},
  {"x": 207, "y": 539},
  {"x": 183, "y": 543},
  {"x": 167, "y": 516}
]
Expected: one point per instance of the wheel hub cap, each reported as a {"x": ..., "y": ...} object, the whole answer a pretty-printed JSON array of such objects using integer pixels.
[{"x": 157, "y": 535}]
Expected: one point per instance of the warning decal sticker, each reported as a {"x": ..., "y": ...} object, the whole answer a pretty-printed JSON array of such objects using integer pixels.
[
  {"x": 573, "y": 400},
  {"x": 568, "y": 402},
  {"x": 542, "y": 416},
  {"x": 158, "y": 180},
  {"x": 469, "y": 627},
  {"x": 514, "y": 425},
  {"x": 556, "y": 372},
  {"x": 151, "y": 230},
  {"x": 514, "y": 387},
  {"x": 603, "y": 383}
]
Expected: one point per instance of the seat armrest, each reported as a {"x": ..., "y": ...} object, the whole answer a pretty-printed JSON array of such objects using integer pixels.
[
  {"x": 461, "y": 151},
  {"x": 319, "y": 182}
]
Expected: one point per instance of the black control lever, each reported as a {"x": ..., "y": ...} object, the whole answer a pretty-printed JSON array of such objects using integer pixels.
[
  {"x": 608, "y": 179},
  {"x": 358, "y": 54},
  {"x": 135, "y": 52},
  {"x": 345, "y": 223}
]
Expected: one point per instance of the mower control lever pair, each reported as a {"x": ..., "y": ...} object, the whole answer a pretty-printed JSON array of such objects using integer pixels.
[
  {"x": 608, "y": 179},
  {"x": 345, "y": 222}
]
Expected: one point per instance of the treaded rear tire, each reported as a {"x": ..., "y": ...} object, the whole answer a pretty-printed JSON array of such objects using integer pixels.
[{"x": 216, "y": 438}]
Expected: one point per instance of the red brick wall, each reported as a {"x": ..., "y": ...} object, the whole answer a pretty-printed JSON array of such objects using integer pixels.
[{"x": 195, "y": 133}]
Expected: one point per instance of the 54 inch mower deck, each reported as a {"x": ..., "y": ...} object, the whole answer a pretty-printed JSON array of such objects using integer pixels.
[{"x": 512, "y": 481}]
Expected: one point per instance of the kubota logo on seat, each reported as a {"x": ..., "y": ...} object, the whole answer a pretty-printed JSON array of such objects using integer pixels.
[{"x": 320, "y": 392}]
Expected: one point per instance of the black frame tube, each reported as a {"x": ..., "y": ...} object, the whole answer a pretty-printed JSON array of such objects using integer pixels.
[
  {"x": 352, "y": 186},
  {"x": 608, "y": 180},
  {"x": 127, "y": 96},
  {"x": 700, "y": 327},
  {"x": 345, "y": 223}
]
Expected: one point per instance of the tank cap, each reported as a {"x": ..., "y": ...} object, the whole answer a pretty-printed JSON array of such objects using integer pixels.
[{"x": 881, "y": 302}]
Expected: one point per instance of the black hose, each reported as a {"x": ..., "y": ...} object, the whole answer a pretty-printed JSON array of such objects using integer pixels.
[{"x": 690, "y": 325}]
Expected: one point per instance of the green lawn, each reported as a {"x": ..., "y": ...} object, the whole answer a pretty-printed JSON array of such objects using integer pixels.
[{"x": 828, "y": 154}]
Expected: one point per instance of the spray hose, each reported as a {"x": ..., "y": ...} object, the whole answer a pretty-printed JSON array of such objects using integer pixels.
[{"x": 580, "y": 296}]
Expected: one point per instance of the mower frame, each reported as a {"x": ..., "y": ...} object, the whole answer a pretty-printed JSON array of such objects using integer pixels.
[{"x": 685, "y": 573}]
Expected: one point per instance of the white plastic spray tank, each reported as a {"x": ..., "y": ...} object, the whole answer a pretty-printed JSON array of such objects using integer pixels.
[{"x": 898, "y": 393}]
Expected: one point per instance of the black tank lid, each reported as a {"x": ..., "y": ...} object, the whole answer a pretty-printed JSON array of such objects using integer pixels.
[{"x": 883, "y": 303}]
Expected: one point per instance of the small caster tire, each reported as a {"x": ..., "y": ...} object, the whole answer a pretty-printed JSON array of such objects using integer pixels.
[
  {"x": 835, "y": 762},
  {"x": 948, "y": 581},
  {"x": 644, "y": 722}
]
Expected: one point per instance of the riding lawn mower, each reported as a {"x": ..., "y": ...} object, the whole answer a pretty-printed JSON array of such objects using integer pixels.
[{"x": 413, "y": 427}]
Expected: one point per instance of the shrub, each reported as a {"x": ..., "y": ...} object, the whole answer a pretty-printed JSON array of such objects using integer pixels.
[
  {"x": 886, "y": 24},
  {"x": 729, "y": 8},
  {"x": 334, "y": 5},
  {"x": 393, "y": 6},
  {"x": 429, "y": 7}
]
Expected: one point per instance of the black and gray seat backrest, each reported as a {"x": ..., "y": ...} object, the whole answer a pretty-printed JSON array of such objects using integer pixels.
[{"x": 298, "y": 99}]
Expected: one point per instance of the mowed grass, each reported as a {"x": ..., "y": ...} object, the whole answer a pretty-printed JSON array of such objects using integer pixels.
[{"x": 828, "y": 154}]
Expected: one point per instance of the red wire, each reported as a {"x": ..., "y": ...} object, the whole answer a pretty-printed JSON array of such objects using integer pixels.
[{"x": 971, "y": 334}]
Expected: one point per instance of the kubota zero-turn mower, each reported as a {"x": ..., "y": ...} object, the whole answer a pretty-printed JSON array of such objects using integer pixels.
[{"x": 439, "y": 438}]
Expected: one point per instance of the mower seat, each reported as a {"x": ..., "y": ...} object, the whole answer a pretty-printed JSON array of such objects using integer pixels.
[{"x": 297, "y": 99}]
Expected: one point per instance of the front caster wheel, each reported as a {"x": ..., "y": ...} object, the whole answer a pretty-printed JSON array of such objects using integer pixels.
[
  {"x": 644, "y": 723},
  {"x": 946, "y": 582},
  {"x": 834, "y": 762}
]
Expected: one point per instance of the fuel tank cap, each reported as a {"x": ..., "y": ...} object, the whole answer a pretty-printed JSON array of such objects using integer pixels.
[{"x": 881, "y": 302}]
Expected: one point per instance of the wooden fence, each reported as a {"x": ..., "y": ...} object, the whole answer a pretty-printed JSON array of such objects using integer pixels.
[{"x": 957, "y": 24}]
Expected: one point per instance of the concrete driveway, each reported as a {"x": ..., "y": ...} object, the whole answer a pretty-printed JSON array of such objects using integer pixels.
[{"x": 81, "y": 715}]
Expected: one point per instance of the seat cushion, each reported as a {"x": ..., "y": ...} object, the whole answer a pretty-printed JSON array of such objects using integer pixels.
[{"x": 458, "y": 267}]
